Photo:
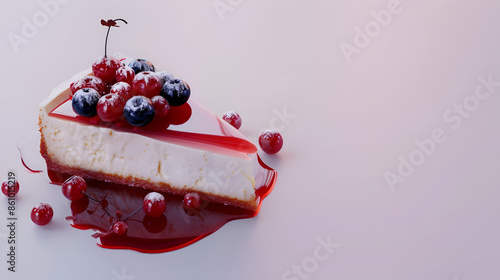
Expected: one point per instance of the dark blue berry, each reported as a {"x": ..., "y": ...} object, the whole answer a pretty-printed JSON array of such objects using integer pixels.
[
  {"x": 176, "y": 92},
  {"x": 164, "y": 77},
  {"x": 140, "y": 65},
  {"x": 84, "y": 102},
  {"x": 139, "y": 111}
]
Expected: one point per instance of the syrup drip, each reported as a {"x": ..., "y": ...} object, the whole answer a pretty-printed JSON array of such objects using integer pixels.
[
  {"x": 175, "y": 229},
  {"x": 28, "y": 168}
]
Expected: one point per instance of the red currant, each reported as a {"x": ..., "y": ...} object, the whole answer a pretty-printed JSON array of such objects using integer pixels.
[
  {"x": 146, "y": 83},
  {"x": 154, "y": 204},
  {"x": 89, "y": 82},
  {"x": 122, "y": 89},
  {"x": 74, "y": 187},
  {"x": 125, "y": 74},
  {"x": 10, "y": 187},
  {"x": 105, "y": 68},
  {"x": 42, "y": 214},
  {"x": 192, "y": 201},
  {"x": 120, "y": 227},
  {"x": 110, "y": 107},
  {"x": 161, "y": 106},
  {"x": 232, "y": 118},
  {"x": 270, "y": 141}
]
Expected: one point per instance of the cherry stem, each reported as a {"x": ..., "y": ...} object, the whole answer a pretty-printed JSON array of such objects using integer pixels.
[
  {"x": 107, "y": 35},
  {"x": 132, "y": 213}
]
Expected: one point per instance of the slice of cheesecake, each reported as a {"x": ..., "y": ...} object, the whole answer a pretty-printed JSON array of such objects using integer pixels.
[{"x": 197, "y": 152}]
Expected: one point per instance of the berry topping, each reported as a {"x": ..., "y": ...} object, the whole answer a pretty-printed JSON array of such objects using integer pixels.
[
  {"x": 105, "y": 68},
  {"x": 232, "y": 118},
  {"x": 154, "y": 204},
  {"x": 74, "y": 187},
  {"x": 110, "y": 107},
  {"x": 89, "y": 82},
  {"x": 125, "y": 74},
  {"x": 84, "y": 102},
  {"x": 122, "y": 89},
  {"x": 270, "y": 141},
  {"x": 42, "y": 214},
  {"x": 164, "y": 77},
  {"x": 141, "y": 65},
  {"x": 120, "y": 227},
  {"x": 161, "y": 106},
  {"x": 146, "y": 83},
  {"x": 192, "y": 201},
  {"x": 176, "y": 92},
  {"x": 10, "y": 187},
  {"x": 139, "y": 111}
]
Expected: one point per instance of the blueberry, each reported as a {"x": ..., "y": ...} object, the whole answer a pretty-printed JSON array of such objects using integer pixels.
[
  {"x": 84, "y": 102},
  {"x": 164, "y": 77},
  {"x": 139, "y": 111},
  {"x": 176, "y": 92},
  {"x": 140, "y": 65}
]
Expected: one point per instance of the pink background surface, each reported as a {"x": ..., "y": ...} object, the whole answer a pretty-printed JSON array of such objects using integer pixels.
[{"x": 346, "y": 125}]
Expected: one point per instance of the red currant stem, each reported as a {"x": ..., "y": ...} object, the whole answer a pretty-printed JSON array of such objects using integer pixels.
[
  {"x": 99, "y": 203},
  {"x": 91, "y": 198},
  {"x": 132, "y": 213},
  {"x": 106, "y": 43},
  {"x": 107, "y": 35}
]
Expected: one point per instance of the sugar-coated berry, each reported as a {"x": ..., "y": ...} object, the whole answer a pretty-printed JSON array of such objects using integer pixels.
[
  {"x": 164, "y": 77},
  {"x": 139, "y": 111},
  {"x": 120, "y": 227},
  {"x": 192, "y": 201},
  {"x": 122, "y": 89},
  {"x": 74, "y": 187},
  {"x": 110, "y": 108},
  {"x": 89, "y": 82},
  {"x": 84, "y": 102},
  {"x": 140, "y": 65},
  {"x": 125, "y": 74},
  {"x": 10, "y": 187},
  {"x": 270, "y": 141},
  {"x": 161, "y": 106},
  {"x": 176, "y": 92},
  {"x": 42, "y": 214},
  {"x": 154, "y": 204},
  {"x": 105, "y": 68},
  {"x": 146, "y": 83},
  {"x": 232, "y": 118}
]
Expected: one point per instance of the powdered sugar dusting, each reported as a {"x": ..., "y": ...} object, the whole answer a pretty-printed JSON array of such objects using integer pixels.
[
  {"x": 44, "y": 206},
  {"x": 231, "y": 114},
  {"x": 155, "y": 197}
]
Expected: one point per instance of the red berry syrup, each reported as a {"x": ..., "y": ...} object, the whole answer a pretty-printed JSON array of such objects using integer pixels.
[{"x": 178, "y": 227}]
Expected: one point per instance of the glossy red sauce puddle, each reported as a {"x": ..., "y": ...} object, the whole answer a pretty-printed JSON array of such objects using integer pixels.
[{"x": 175, "y": 229}]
